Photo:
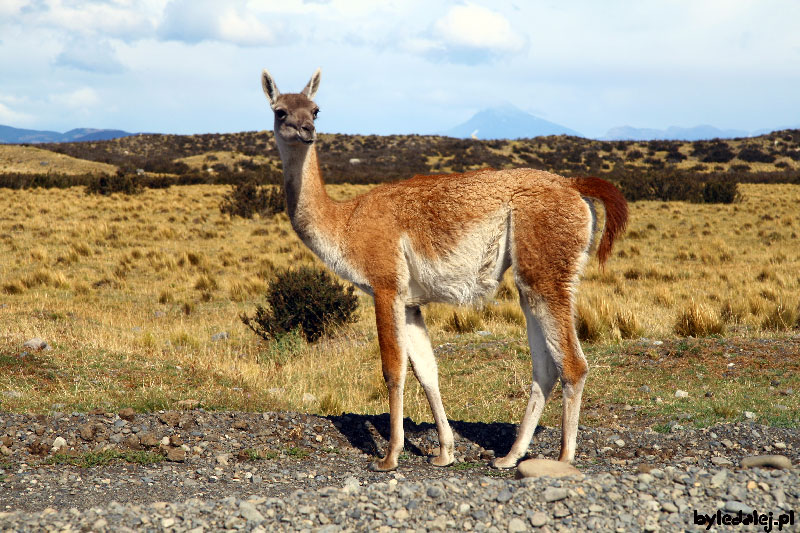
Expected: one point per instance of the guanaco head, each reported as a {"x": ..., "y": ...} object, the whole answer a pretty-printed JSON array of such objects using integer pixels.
[{"x": 294, "y": 113}]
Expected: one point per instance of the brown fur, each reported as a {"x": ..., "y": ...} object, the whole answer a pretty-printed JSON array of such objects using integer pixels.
[{"x": 544, "y": 215}]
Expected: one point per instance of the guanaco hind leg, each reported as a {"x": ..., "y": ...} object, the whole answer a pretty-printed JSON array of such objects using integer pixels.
[{"x": 544, "y": 354}]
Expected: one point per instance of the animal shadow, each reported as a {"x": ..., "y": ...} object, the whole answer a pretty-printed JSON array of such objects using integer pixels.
[{"x": 370, "y": 434}]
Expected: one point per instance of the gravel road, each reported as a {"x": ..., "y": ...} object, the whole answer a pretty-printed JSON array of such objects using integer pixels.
[{"x": 295, "y": 472}]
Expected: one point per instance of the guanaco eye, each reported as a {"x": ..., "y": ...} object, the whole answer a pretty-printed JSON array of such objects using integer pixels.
[
  {"x": 315, "y": 113},
  {"x": 281, "y": 114}
]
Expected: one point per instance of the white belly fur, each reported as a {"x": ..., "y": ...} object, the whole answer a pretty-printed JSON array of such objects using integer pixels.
[{"x": 469, "y": 273}]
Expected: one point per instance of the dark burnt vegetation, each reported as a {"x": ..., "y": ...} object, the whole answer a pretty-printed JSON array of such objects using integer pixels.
[{"x": 699, "y": 171}]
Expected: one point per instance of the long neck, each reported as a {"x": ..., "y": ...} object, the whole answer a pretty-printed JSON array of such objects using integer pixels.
[{"x": 310, "y": 208}]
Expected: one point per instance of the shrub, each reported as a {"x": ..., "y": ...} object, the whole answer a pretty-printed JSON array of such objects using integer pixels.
[
  {"x": 721, "y": 192},
  {"x": 123, "y": 182},
  {"x": 634, "y": 154},
  {"x": 248, "y": 198},
  {"x": 674, "y": 157},
  {"x": 713, "y": 152},
  {"x": 22, "y": 180},
  {"x": 752, "y": 154},
  {"x": 306, "y": 299}
]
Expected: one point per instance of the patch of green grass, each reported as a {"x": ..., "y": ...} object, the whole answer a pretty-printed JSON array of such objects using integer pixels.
[
  {"x": 252, "y": 455},
  {"x": 4, "y": 466},
  {"x": 142, "y": 457},
  {"x": 661, "y": 428},
  {"x": 782, "y": 419},
  {"x": 500, "y": 473},
  {"x": 466, "y": 465},
  {"x": 105, "y": 457},
  {"x": 297, "y": 453},
  {"x": 283, "y": 348}
]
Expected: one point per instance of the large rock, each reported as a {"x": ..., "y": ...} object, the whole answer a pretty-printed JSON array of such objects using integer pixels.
[
  {"x": 177, "y": 455},
  {"x": 767, "y": 461},
  {"x": 58, "y": 443},
  {"x": 36, "y": 344},
  {"x": 148, "y": 440},
  {"x": 545, "y": 468}
]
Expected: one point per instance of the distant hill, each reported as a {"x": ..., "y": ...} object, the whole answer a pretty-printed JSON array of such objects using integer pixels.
[
  {"x": 674, "y": 133},
  {"x": 17, "y": 135},
  {"x": 507, "y": 122}
]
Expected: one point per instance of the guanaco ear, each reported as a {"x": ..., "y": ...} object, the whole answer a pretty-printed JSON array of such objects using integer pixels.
[
  {"x": 270, "y": 89},
  {"x": 312, "y": 86}
]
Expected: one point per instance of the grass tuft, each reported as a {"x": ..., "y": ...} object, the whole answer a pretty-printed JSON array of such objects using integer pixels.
[
  {"x": 464, "y": 320},
  {"x": 698, "y": 320},
  {"x": 782, "y": 317}
]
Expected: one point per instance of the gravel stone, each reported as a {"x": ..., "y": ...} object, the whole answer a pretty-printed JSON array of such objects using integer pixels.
[
  {"x": 553, "y": 494},
  {"x": 515, "y": 525},
  {"x": 538, "y": 519},
  {"x": 279, "y": 476},
  {"x": 721, "y": 461}
]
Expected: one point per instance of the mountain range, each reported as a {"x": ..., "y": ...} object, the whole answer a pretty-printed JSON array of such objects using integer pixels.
[
  {"x": 676, "y": 133},
  {"x": 506, "y": 122},
  {"x": 503, "y": 122},
  {"x": 17, "y": 135},
  {"x": 509, "y": 122}
]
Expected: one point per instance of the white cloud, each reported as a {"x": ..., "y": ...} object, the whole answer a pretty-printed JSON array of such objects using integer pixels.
[
  {"x": 84, "y": 98},
  {"x": 479, "y": 28},
  {"x": 192, "y": 65},
  {"x": 194, "y": 21},
  {"x": 10, "y": 8},
  {"x": 91, "y": 55},
  {"x": 125, "y": 20},
  {"x": 10, "y": 117},
  {"x": 245, "y": 31},
  {"x": 469, "y": 34}
]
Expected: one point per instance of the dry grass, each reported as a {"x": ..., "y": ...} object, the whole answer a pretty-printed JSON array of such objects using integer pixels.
[
  {"x": 699, "y": 321},
  {"x": 130, "y": 290},
  {"x": 229, "y": 159},
  {"x": 31, "y": 160}
]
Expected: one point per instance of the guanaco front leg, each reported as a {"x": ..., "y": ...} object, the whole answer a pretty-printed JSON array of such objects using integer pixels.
[{"x": 390, "y": 318}]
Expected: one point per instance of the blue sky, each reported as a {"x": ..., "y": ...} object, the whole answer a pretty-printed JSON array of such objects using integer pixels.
[{"x": 411, "y": 66}]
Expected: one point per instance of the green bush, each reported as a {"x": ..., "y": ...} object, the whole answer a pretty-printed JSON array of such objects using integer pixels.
[
  {"x": 248, "y": 198},
  {"x": 307, "y": 299}
]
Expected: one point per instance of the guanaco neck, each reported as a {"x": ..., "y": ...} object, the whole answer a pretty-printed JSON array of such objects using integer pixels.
[{"x": 310, "y": 209}]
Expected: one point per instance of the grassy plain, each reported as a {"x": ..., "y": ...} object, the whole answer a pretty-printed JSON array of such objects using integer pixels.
[
  {"x": 28, "y": 159},
  {"x": 131, "y": 292}
]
